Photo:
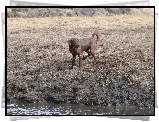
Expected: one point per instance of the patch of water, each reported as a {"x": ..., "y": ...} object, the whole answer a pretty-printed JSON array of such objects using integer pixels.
[{"x": 49, "y": 108}]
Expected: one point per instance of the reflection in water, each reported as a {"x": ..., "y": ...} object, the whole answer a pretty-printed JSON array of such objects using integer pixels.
[{"x": 49, "y": 108}]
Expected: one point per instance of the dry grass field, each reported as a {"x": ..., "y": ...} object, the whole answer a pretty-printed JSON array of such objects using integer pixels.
[{"x": 38, "y": 60}]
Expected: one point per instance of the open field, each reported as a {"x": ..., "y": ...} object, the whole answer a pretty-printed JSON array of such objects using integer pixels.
[{"x": 38, "y": 60}]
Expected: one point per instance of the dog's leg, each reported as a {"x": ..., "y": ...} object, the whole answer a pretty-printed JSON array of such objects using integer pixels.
[
  {"x": 80, "y": 60},
  {"x": 93, "y": 53},
  {"x": 73, "y": 60}
]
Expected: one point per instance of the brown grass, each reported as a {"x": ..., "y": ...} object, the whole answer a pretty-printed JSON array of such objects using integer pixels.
[
  {"x": 37, "y": 50},
  {"x": 108, "y": 22}
]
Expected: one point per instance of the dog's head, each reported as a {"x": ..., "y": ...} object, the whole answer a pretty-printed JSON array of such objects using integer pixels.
[
  {"x": 73, "y": 43},
  {"x": 73, "y": 46}
]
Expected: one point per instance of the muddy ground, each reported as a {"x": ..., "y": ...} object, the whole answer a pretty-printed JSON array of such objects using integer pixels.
[{"x": 38, "y": 60}]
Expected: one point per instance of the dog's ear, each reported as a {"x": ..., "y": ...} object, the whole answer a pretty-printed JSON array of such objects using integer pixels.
[{"x": 69, "y": 42}]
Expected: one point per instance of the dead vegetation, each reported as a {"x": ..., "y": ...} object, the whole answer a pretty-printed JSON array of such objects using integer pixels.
[
  {"x": 72, "y": 12},
  {"x": 39, "y": 61}
]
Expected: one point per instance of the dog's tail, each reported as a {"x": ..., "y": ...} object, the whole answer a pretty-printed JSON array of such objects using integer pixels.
[{"x": 97, "y": 35}]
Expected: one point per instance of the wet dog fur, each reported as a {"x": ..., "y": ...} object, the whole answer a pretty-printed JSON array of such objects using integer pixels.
[{"x": 78, "y": 46}]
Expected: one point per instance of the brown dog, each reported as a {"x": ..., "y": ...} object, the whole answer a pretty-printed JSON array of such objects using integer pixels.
[{"x": 77, "y": 46}]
